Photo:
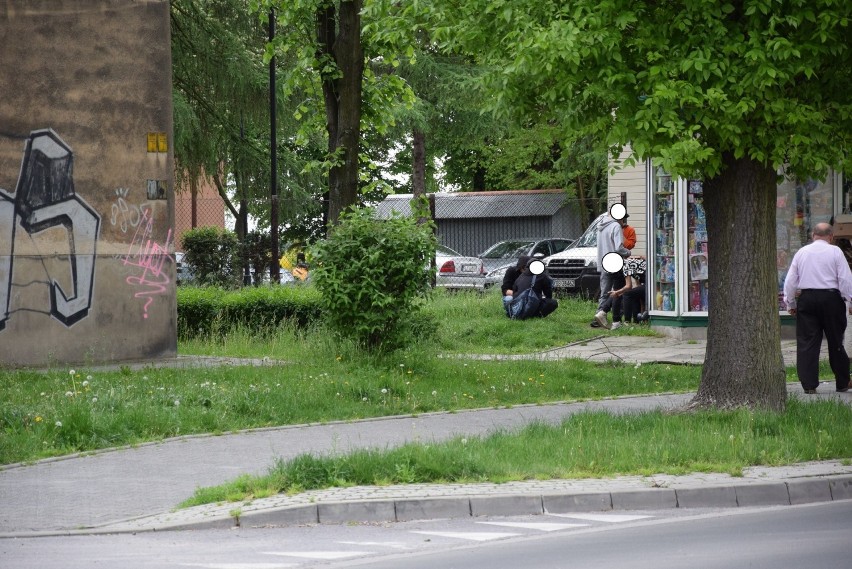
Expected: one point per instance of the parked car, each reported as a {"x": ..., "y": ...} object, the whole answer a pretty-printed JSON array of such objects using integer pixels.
[
  {"x": 575, "y": 269},
  {"x": 455, "y": 271},
  {"x": 505, "y": 254}
]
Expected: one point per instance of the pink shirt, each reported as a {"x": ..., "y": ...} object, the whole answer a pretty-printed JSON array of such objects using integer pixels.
[{"x": 818, "y": 265}]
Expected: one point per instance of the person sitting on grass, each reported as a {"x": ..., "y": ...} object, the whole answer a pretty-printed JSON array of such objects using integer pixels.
[{"x": 543, "y": 288}]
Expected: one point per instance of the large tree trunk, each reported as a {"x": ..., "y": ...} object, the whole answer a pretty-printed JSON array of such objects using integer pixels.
[
  {"x": 342, "y": 94},
  {"x": 743, "y": 364}
]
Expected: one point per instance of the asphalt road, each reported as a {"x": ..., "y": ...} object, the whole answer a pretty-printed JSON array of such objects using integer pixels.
[{"x": 778, "y": 538}]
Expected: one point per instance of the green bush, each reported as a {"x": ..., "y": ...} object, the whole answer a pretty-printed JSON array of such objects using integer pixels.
[
  {"x": 205, "y": 310},
  {"x": 213, "y": 255},
  {"x": 371, "y": 273}
]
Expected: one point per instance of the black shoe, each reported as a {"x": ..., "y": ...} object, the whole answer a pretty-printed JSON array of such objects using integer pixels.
[
  {"x": 810, "y": 391},
  {"x": 595, "y": 324},
  {"x": 844, "y": 390}
]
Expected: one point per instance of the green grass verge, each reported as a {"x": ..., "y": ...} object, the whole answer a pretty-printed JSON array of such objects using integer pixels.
[
  {"x": 593, "y": 444},
  {"x": 53, "y": 413}
]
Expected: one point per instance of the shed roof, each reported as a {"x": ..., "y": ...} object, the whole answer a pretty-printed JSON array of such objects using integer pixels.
[{"x": 468, "y": 205}]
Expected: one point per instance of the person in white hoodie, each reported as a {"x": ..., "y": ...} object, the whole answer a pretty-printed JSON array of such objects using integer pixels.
[{"x": 610, "y": 240}]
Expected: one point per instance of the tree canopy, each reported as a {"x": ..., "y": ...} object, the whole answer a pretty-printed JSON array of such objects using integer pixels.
[{"x": 732, "y": 92}]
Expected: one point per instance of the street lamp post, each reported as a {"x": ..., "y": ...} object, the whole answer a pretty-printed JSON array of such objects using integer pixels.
[{"x": 274, "y": 268}]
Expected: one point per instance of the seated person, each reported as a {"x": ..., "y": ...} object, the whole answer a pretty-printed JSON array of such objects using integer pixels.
[
  {"x": 512, "y": 273},
  {"x": 543, "y": 287},
  {"x": 633, "y": 292}
]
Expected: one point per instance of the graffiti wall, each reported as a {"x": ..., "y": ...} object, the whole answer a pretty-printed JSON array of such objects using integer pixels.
[{"x": 87, "y": 270}]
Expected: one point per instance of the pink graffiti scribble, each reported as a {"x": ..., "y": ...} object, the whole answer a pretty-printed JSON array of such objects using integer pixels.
[{"x": 150, "y": 257}]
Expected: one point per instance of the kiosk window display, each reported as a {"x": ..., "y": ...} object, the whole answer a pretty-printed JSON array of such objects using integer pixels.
[
  {"x": 665, "y": 270},
  {"x": 681, "y": 268}
]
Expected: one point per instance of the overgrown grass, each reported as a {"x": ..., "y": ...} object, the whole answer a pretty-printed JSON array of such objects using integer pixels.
[
  {"x": 587, "y": 445},
  {"x": 468, "y": 323},
  {"x": 52, "y": 413},
  {"x": 321, "y": 378}
]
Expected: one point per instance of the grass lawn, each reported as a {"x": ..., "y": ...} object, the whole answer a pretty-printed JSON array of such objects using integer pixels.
[{"x": 61, "y": 411}]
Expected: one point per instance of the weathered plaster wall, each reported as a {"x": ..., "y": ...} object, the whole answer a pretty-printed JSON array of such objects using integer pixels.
[{"x": 86, "y": 211}]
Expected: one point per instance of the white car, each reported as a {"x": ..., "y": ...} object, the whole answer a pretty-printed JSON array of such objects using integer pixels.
[
  {"x": 575, "y": 270},
  {"x": 455, "y": 271}
]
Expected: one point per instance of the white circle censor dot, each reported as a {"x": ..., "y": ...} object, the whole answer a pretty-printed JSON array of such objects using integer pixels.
[
  {"x": 618, "y": 211},
  {"x": 536, "y": 267},
  {"x": 613, "y": 262}
]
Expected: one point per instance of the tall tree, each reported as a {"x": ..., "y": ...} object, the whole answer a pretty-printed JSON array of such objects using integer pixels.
[
  {"x": 733, "y": 91},
  {"x": 338, "y": 91},
  {"x": 218, "y": 88}
]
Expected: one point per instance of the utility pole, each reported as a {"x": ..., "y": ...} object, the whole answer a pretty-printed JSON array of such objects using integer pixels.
[{"x": 274, "y": 267}]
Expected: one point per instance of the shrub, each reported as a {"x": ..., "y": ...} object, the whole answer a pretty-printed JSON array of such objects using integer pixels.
[
  {"x": 371, "y": 273},
  {"x": 213, "y": 255},
  {"x": 205, "y": 310}
]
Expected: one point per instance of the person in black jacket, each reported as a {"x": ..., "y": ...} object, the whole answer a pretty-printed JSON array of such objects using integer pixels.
[
  {"x": 543, "y": 287},
  {"x": 512, "y": 273}
]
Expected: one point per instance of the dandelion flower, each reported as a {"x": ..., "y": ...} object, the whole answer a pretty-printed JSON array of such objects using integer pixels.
[
  {"x": 89, "y": 377},
  {"x": 177, "y": 402},
  {"x": 384, "y": 390},
  {"x": 85, "y": 384},
  {"x": 72, "y": 372},
  {"x": 94, "y": 399},
  {"x": 38, "y": 419},
  {"x": 434, "y": 393},
  {"x": 69, "y": 394},
  {"x": 58, "y": 423},
  {"x": 364, "y": 399}
]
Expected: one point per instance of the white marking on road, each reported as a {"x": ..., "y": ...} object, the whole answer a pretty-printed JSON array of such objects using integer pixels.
[
  {"x": 610, "y": 518},
  {"x": 541, "y": 526},
  {"x": 471, "y": 535},
  {"x": 319, "y": 554},
  {"x": 391, "y": 544},
  {"x": 241, "y": 565}
]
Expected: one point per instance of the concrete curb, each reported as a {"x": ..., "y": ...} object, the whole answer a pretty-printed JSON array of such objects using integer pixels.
[{"x": 775, "y": 493}]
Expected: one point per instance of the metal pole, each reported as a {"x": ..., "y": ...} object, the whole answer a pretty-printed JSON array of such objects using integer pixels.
[{"x": 274, "y": 267}]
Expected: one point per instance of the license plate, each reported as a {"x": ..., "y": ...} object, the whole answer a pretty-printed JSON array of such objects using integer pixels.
[
  {"x": 468, "y": 268},
  {"x": 564, "y": 283}
]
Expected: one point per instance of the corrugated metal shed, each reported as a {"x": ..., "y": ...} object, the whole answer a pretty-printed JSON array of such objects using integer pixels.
[
  {"x": 470, "y": 222},
  {"x": 478, "y": 205}
]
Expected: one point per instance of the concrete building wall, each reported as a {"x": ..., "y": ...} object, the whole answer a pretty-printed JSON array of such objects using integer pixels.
[
  {"x": 86, "y": 204},
  {"x": 632, "y": 181}
]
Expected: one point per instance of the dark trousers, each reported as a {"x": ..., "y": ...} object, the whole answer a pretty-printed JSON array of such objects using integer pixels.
[
  {"x": 548, "y": 305},
  {"x": 633, "y": 300},
  {"x": 617, "y": 281},
  {"x": 818, "y": 313}
]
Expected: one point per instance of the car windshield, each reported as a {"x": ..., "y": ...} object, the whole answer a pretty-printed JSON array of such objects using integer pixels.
[
  {"x": 507, "y": 249},
  {"x": 445, "y": 251},
  {"x": 590, "y": 237}
]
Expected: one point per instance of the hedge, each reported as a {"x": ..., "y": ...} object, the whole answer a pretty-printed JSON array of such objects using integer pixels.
[{"x": 203, "y": 310}]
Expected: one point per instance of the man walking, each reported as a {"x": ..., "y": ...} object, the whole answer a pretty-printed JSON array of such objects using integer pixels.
[{"x": 816, "y": 290}]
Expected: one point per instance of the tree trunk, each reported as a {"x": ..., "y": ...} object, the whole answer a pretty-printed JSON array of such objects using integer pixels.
[
  {"x": 743, "y": 364},
  {"x": 342, "y": 93},
  {"x": 418, "y": 170}
]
